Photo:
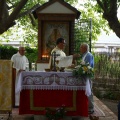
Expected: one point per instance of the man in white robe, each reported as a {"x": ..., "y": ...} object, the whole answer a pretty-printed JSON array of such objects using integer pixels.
[
  {"x": 64, "y": 61},
  {"x": 19, "y": 64}
]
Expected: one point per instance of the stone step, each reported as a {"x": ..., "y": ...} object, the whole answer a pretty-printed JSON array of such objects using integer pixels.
[
  {"x": 34, "y": 117},
  {"x": 16, "y": 117}
]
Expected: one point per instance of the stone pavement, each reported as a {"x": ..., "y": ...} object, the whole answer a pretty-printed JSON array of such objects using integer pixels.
[{"x": 109, "y": 115}]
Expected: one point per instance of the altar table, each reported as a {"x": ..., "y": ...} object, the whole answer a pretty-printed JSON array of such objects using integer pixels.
[{"x": 39, "y": 90}]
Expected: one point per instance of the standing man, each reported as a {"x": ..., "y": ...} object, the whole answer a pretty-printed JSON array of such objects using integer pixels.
[
  {"x": 19, "y": 64},
  {"x": 87, "y": 57},
  {"x": 64, "y": 61}
]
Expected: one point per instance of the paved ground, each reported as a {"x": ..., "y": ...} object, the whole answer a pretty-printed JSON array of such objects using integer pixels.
[
  {"x": 104, "y": 105},
  {"x": 112, "y": 105},
  {"x": 109, "y": 114}
]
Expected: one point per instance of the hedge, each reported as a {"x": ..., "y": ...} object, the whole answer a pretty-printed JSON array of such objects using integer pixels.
[{"x": 6, "y": 53}]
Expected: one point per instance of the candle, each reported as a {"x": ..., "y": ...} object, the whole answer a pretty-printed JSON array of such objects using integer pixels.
[{"x": 45, "y": 57}]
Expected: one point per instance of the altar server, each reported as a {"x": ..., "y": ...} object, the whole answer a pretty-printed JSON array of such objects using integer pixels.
[{"x": 19, "y": 64}]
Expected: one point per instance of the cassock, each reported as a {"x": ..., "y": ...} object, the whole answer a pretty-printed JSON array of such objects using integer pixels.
[
  {"x": 19, "y": 63},
  {"x": 64, "y": 61}
]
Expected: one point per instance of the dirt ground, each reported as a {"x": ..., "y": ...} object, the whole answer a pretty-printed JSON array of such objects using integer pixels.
[{"x": 112, "y": 105}]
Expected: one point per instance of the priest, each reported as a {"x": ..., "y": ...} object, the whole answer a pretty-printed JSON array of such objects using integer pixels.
[{"x": 64, "y": 61}]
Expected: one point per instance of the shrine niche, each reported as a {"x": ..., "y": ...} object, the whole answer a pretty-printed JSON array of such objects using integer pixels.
[
  {"x": 56, "y": 19},
  {"x": 52, "y": 31}
]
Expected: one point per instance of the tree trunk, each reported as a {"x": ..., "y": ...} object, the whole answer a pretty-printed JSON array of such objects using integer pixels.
[
  {"x": 3, "y": 14},
  {"x": 110, "y": 14},
  {"x": 6, "y": 20}
]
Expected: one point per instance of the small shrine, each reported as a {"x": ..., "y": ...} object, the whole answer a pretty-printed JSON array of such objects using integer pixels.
[{"x": 56, "y": 19}]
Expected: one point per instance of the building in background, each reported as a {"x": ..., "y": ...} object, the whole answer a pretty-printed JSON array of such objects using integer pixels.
[
  {"x": 107, "y": 43},
  {"x": 14, "y": 43}
]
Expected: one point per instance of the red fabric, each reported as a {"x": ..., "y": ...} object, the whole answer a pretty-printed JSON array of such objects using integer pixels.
[{"x": 53, "y": 98}]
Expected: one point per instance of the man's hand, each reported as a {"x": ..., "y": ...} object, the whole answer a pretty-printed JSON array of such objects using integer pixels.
[
  {"x": 20, "y": 70},
  {"x": 72, "y": 66},
  {"x": 76, "y": 55}
]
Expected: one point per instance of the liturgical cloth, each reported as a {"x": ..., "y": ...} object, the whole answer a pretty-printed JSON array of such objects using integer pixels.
[
  {"x": 51, "y": 81},
  {"x": 52, "y": 89},
  {"x": 5, "y": 85}
]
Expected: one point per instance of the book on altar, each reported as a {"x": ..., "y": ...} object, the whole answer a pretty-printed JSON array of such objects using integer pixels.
[{"x": 64, "y": 61}]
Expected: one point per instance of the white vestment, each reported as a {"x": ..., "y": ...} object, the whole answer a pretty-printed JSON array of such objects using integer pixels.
[
  {"x": 64, "y": 61},
  {"x": 19, "y": 63}
]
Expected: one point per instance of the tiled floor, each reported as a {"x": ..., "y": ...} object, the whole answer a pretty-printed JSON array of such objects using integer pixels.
[{"x": 109, "y": 115}]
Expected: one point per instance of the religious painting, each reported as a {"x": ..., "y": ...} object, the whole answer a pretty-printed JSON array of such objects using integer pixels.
[{"x": 52, "y": 31}]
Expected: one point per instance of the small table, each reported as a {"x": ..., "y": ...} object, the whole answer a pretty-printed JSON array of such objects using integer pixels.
[{"x": 52, "y": 89}]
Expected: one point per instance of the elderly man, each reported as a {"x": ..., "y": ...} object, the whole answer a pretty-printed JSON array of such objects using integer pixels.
[
  {"x": 87, "y": 57},
  {"x": 19, "y": 64},
  {"x": 64, "y": 61}
]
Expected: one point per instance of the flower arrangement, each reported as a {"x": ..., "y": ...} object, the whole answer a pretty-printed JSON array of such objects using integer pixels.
[
  {"x": 83, "y": 70},
  {"x": 57, "y": 114}
]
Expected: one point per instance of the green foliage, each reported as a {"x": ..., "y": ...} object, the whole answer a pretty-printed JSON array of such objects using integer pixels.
[
  {"x": 107, "y": 75},
  {"x": 72, "y": 1},
  {"x": 6, "y": 52},
  {"x": 29, "y": 32},
  {"x": 97, "y": 93},
  {"x": 82, "y": 33},
  {"x": 109, "y": 95},
  {"x": 32, "y": 54},
  {"x": 104, "y": 66},
  {"x": 106, "y": 94},
  {"x": 98, "y": 23}
]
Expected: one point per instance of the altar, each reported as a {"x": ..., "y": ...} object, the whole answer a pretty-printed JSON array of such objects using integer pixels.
[{"x": 39, "y": 90}]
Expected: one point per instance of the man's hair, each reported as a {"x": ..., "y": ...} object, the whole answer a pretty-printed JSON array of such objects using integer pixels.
[
  {"x": 21, "y": 47},
  {"x": 59, "y": 40},
  {"x": 85, "y": 45}
]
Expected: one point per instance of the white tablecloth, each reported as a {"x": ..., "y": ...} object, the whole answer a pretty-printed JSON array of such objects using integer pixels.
[{"x": 51, "y": 81}]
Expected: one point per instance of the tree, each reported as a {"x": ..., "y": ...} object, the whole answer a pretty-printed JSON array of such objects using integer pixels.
[
  {"x": 20, "y": 11},
  {"x": 88, "y": 10},
  {"x": 109, "y": 10},
  {"x": 16, "y": 16},
  {"x": 6, "y": 20}
]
